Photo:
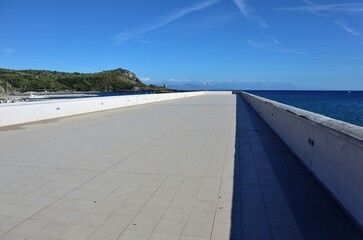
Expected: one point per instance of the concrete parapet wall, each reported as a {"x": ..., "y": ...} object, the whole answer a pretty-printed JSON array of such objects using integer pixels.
[
  {"x": 24, "y": 112},
  {"x": 218, "y": 92},
  {"x": 332, "y": 150}
]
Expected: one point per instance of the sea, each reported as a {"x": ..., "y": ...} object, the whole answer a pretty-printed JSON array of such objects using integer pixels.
[{"x": 346, "y": 106}]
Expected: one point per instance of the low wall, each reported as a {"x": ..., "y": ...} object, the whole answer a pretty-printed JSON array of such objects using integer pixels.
[
  {"x": 218, "y": 92},
  {"x": 24, "y": 112},
  {"x": 332, "y": 150}
]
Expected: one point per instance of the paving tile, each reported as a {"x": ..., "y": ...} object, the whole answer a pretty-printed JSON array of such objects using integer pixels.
[
  {"x": 52, "y": 230},
  {"x": 181, "y": 203},
  {"x": 176, "y": 213},
  {"x": 129, "y": 209},
  {"x": 278, "y": 208},
  {"x": 253, "y": 207},
  {"x": 143, "y": 224},
  {"x": 227, "y": 204},
  {"x": 256, "y": 219},
  {"x": 286, "y": 233},
  {"x": 201, "y": 215},
  {"x": 136, "y": 200},
  {"x": 7, "y": 223},
  {"x": 134, "y": 235},
  {"x": 13, "y": 236},
  {"x": 151, "y": 212},
  {"x": 27, "y": 211},
  {"x": 230, "y": 217},
  {"x": 183, "y": 237},
  {"x": 221, "y": 231},
  {"x": 29, "y": 226},
  {"x": 93, "y": 219},
  {"x": 48, "y": 214},
  {"x": 160, "y": 236},
  {"x": 106, "y": 233},
  {"x": 117, "y": 221},
  {"x": 197, "y": 229},
  {"x": 205, "y": 204},
  {"x": 106, "y": 207},
  {"x": 252, "y": 197},
  {"x": 256, "y": 232},
  {"x": 287, "y": 221},
  {"x": 70, "y": 216},
  {"x": 158, "y": 202},
  {"x": 38, "y": 238},
  {"x": 172, "y": 227},
  {"x": 78, "y": 232}
]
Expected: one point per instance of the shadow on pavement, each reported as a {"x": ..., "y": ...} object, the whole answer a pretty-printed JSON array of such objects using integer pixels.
[{"x": 274, "y": 196}]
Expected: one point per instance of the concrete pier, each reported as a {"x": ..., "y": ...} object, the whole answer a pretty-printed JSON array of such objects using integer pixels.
[{"x": 196, "y": 168}]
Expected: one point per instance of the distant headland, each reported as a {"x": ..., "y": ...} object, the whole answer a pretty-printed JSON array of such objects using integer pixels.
[{"x": 12, "y": 81}]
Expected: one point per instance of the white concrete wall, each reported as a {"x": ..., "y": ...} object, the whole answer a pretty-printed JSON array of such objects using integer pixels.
[
  {"x": 24, "y": 112},
  {"x": 336, "y": 156},
  {"x": 218, "y": 92}
]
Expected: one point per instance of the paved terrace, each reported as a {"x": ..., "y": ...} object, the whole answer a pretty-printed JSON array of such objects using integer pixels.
[{"x": 160, "y": 171}]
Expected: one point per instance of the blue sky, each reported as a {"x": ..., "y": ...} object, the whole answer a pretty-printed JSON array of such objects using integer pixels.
[{"x": 192, "y": 44}]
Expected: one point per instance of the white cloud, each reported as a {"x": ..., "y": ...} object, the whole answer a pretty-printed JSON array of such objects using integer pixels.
[
  {"x": 273, "y": 46},
  {"x": 146, "y": 79},
  {"x": 126, "y": 35},
  {"x": 349, "y": 29},
  {"x": 249, "y": 14},
  {"x": 339, "y": 7},
  {"x": 179, "y": 80}
]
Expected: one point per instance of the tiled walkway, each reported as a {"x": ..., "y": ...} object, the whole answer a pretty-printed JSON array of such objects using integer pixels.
[{"x": 160, "y": 171}]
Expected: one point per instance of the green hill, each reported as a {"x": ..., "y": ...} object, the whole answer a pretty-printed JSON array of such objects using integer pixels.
[{"x": 41, "y": 80}]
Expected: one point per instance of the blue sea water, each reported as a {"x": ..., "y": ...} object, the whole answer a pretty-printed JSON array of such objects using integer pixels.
[{"x": 346, "y": 106}]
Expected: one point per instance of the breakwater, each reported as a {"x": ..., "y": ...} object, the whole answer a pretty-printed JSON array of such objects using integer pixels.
[{"x": 332, "y": 150}]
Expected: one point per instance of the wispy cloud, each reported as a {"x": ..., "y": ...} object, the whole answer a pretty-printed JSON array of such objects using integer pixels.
[
  {"x": 327, "y": 9},
  {"x": 348, "y": 29},
  {"x": 339, "y": 7},
  {"x": 275, "y": 41},
  {"x": 7, "y": 51},
  {"x": 206, "y": 23},
  {"x": 249, "y": 14},
  {"x": 310, "y": 3},
  {"x": 307, "y": 2},
  {"x": 273, "y": 46},
  {"x": 126, "y": 35},
  {"x": 145, "y": 42}
]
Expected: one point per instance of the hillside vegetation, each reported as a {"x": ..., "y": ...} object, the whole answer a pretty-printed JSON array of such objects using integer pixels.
[{"x": 41, "y": 80}]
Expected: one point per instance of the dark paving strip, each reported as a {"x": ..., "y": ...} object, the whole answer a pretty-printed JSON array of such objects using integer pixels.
[{"x": 275, "y": 197}]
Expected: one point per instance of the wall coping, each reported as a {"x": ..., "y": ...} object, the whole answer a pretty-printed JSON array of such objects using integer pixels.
[
  {"x": 47, "y": 101},
  {"x": 348, "y": 131}
]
